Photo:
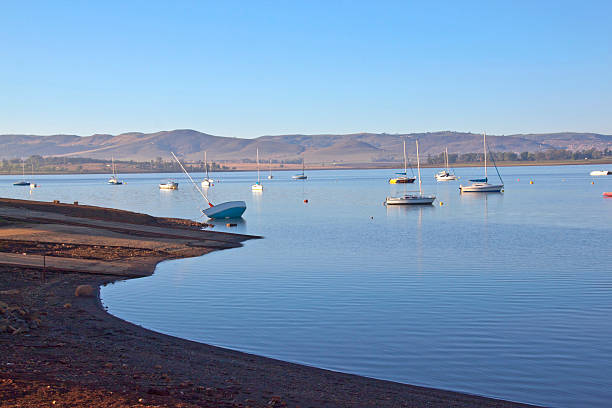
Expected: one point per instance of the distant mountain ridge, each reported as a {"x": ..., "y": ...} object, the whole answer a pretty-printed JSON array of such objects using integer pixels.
[{"x": 357, "y": 147}]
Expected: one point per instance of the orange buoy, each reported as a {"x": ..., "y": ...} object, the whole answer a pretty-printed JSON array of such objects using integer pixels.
[{"x": 305, "y": 201}]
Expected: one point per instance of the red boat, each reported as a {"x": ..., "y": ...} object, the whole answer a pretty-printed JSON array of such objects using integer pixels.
[{"x": 608, "y": 194}]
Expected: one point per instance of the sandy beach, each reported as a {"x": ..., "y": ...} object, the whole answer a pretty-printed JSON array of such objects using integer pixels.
[{"x": 59, "y": 349}]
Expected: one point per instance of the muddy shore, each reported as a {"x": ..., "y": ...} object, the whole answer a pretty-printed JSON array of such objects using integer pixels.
[{"x": 59, "y": 349}]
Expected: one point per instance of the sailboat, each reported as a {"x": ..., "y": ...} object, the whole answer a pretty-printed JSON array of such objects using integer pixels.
[
  {"x": 257, "y": 186},
  {"x": 403, "y": 178},
  {"x": 229, "y": 209},
  {"x": 482, "y": 185},
  {"x": 23, "y": 181},
  {"x": 413, "y": 199},
  {"x": 207, "y": 182},
  {"x": 270, "y": 176},
  {"x": 445, "y": 175},
  {"x": 114, "y": 180},
  {"x": 300, "y": 176}
]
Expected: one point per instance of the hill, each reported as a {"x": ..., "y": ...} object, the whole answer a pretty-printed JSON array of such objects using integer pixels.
[{"x": 358, "y": 147}]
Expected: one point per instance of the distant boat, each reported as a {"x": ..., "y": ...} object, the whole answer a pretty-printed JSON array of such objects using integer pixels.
[
  {"x": 207, "y": 182},
  {"x": 403, "y": 179},
  {"x": 270, "y": 176},
  {"x": 601, "y": 173},
  {"x": 445, "y": 175},
  {"x": 229, "y": 209},
  {"x": 482, "y": 185},
  {"x": 300, "y": 176},
  {"x": 607, "y": 194},
  {"x": 23, "y": 181},
  {"x": 114, "y": 180},
  {"x": 168, "y": 185},
  {"x": 414, "y": 198},
  {"x": 257, "y": 186}
]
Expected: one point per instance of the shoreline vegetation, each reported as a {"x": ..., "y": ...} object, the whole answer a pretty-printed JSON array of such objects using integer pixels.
[
  {"x": 37, "y": 165},
  {"x": 60, "y": 346}
]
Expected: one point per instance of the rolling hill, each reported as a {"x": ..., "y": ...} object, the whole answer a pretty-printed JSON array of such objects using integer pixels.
[{"x": 358, "y": 147}]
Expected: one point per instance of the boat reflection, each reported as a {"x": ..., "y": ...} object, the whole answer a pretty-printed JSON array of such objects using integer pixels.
[{"x": 229, "y": 225}]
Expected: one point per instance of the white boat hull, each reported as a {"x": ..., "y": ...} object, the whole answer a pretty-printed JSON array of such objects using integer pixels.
[
  {"x": 601, "y": 173},
  {"x": 446, "y": 178},
  {"x": 299, "y": 177},
  {"x": 482, "y": 188},
  {"x": 207, "y": 183},
  {"x": 230, "y": 209},
  {"x": 257, "y": 187},
  {"x": 410, "y": 199},
  {"x": 168, "y": 186}
]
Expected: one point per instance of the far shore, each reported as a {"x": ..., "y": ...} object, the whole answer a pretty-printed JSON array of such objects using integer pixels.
[
  {"x": 125, "y": 168},
  {"x": 60, "y": 347}
]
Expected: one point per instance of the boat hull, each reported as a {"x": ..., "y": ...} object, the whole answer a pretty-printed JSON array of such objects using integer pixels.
[
  {"x": 168, "y": 186},
  {"x": 410, "y": 200},
  {"x": 402, "y": 180},
  {"x": 446, "y": 178},
  {"x": 482, "y": 188},
  {"x": 607, "y": 194},
  {"x": 257, "y": 187},
  {"x": 22, "y": 183},
  {"x": 230, "y": 209},
  {"x": 299, "y": 177},
  {"x": 601, "y": 173},
  {"x": 207, "y": 183}
]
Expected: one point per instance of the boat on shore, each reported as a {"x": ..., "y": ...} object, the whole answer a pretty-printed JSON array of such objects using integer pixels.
[
  {"x": 229, "y": 209},
  {"x": 169, "y": 185},
  {"x": 445, "y": 175},
  {"x": 403, "y": 177},
  {"x": 482, "y": 185},
  {"x": 601, "y": 173},
  {"x": 412, "y": 198}
]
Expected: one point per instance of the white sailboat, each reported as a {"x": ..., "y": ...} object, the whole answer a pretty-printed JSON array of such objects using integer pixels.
[
  {"x": 445, "y": 175},
  {"x": 114, "y": 180},
  {"x": 482, "y": 185},
  {"x": 168, "y": 185},
  {"x": 229, "y": 209},
  {"x": 413, "y": 198},
  {"x": 257, "y": 186},
  {"x": 300, "y": 176},
  {"x": 270, "y": 176},
  {"x": 403, "y": 177},
  {"x": 207, "y": 182}
]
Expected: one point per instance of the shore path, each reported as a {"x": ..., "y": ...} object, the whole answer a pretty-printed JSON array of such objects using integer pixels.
[{"x": 59, "y": 349}]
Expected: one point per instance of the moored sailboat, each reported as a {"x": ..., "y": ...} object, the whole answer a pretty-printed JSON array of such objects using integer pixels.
[
  {"x": 482, "y": 185},
  {"x": 413, "y": 198},
  {"x": 114, "y": 180},
  {"x": 23, "y": 181},
  {"x": 300, "y": 176},
  {"x": 403, "y": 177},
  {"x": 445, "y": 175},
  {"x": 207, "y": 182},
  {"x": 257, "y": 186}
]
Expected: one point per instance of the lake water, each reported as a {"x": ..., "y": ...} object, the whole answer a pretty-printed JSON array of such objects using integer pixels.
[{"x": 505, "y": 295}]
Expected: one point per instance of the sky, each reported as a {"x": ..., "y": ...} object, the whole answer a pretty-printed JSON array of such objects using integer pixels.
[{"x": 253, "y": 68}]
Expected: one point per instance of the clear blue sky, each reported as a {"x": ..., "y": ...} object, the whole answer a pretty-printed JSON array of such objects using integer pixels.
[{"x": 238, "y": 68}]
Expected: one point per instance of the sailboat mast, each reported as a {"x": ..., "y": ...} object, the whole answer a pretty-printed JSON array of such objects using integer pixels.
[
  {"x": 485, "y": 153},
  {"x": 206, "y": 164},
  {"x": 405, "y": 166},
  {"x": 302, "y": 166},
  {"x": 257, "y": 164},
  {"x": 270, "y": 167},
  {"x": 419, "y": 167},
  {"x": 446, "y": 150}
]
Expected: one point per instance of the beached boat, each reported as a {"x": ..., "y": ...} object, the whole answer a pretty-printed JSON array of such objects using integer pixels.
[
  {"x": 445, "y": 175},
  {"x": 482, "y": 185},
  {"x": 168, "y": 185},
  {"x": 207, "y": 182},
  {"x": 23, "y": 181},
  {"x": 114, "y": 180},
  {"x": 412, "y": 198},
  {"x": 257, "y": 186},
  {"x": 300, "y": 176},
  {"x": 403, "y": 177},
  {"x": 270, "y": 176},
  {"x": 601, "y": 173},
  {"x": 229, "y": 209}
]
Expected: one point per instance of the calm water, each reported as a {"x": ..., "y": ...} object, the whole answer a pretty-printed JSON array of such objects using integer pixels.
[{"x": 506, "y": 295}]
